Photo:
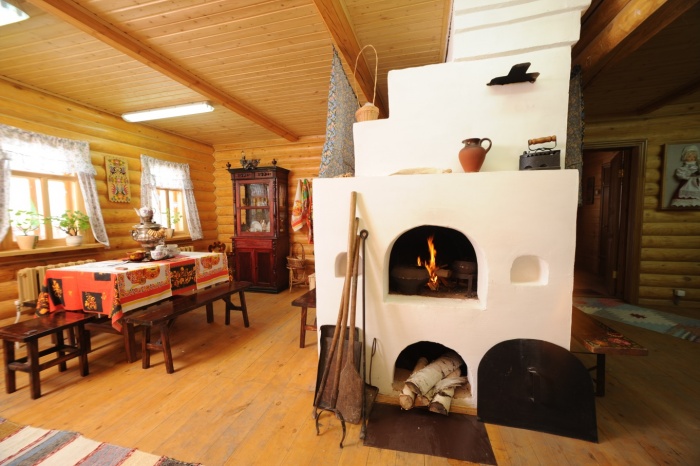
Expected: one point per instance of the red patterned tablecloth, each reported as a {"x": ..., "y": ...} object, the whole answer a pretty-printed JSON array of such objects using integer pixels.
[{"x": 117, "y": 286}]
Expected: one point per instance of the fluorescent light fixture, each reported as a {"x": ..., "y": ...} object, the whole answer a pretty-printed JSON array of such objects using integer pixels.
[
  {"x": 168, "y": 112},
  {"x": 10, "y": 14}
]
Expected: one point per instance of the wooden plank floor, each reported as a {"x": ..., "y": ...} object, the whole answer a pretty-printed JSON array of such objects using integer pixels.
[{"x": 244, "y": 396}]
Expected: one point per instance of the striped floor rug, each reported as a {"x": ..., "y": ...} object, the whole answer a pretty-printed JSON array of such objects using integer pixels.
[
  {"x": 685, "y": 328},
  {"x": 27, "y": 446}
]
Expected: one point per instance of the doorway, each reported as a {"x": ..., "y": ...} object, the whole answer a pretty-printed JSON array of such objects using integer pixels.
[{"x": 608, "y": 229}]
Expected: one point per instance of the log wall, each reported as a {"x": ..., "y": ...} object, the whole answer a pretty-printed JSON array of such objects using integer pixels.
[
  {"x": 670, "y": 240},
  {"x": 108, "y": 135}
]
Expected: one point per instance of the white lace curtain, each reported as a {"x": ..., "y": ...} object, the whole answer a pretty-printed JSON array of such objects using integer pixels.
[
  {"x": 27, "y": 151},
  {"x": 169, "y": 175}
]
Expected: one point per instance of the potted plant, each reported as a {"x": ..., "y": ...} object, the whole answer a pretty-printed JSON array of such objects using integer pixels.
[
  {"x": 26, "y": 221},
  {"x": 72, "y": 222},
  {"x": 172, "y": 220}
]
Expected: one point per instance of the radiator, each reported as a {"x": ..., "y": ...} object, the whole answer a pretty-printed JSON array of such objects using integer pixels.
[{"x": 29, "y": 281}]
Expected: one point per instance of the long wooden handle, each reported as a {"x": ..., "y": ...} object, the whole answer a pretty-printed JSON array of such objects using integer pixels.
[
  {"x": 339, "y": 326},
  {"x": 541, "y": 140},
  {"x": 353, "y": 304}
]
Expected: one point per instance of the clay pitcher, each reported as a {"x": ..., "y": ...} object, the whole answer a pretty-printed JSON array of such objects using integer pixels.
[{"x": 472, "y": 155}]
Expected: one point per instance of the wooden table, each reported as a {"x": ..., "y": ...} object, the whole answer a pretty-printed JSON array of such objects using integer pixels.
[
  {"x": 113, "y": 287},
  {"x": 305, "y": 301}
]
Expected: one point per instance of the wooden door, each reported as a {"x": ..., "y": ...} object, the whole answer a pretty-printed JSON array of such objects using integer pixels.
[{"x": 615, "y": 231}]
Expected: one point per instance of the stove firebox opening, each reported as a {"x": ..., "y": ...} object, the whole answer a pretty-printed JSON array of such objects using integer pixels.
[
  {"x": 416, "y": 357},
  {"x": 433, "y": 261}
]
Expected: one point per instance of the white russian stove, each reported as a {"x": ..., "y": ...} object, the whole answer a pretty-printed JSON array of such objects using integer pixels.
[{"x": 522, "y": 224}]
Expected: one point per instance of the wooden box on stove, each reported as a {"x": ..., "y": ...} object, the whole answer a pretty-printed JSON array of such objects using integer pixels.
[{"x": 261, "y": 235}]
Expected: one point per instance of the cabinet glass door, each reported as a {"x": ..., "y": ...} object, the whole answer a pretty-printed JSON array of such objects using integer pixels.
[{"x": 255, "y": 208}]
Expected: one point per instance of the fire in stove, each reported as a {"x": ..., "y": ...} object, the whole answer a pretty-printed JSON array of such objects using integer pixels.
[{"x": 445, "y": 266}]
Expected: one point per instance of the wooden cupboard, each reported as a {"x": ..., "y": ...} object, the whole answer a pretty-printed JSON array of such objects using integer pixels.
[{"x": 261, "y": 227}]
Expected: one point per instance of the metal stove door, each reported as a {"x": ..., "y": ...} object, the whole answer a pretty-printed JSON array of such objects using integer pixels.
[{"x": 536, "y": 385}]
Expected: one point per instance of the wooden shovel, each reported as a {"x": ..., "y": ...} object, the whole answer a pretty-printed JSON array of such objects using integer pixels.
[
  {"x": 351, "y": 386},
  {"x": 325, "y": 396}
]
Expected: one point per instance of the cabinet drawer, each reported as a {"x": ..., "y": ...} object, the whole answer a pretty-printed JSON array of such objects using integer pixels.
[
  {"x": 246, "y": 243},
  {"x": 264, "y": 174},
  {"x": 244, "y": 176}
]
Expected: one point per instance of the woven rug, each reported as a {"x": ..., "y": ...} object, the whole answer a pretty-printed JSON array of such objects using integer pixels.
[
  {"x": 663, "y": 322},
  {"x": 27, "y": 446}
]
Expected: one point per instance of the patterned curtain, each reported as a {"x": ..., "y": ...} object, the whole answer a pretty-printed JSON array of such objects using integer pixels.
[
  {"x": 169, "y": 175},
  {"x": 28, "y": 151},
  {"x": 574, "y": 129},
  {"x": 338, "y": 156}
]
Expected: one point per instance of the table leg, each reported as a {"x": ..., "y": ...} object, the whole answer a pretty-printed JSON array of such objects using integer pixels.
[
  {"x": 83, "y": 340},
  {"x": 9, "y": 356},
  {"x": 210, "y": 313},
  {"x": 129, "y": 342},
  {"x": 145, "y": 353}
]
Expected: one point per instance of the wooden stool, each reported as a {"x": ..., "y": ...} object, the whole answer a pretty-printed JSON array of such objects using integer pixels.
[
  {"x": 305, "y": 301},
  {"x": 29, "y": 332}
]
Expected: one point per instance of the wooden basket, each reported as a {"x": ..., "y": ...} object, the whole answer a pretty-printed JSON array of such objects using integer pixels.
[{"x": 296, "y": 262}]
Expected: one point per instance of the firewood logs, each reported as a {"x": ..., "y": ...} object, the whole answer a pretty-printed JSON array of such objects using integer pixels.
[{"x": 433, "y": 384}]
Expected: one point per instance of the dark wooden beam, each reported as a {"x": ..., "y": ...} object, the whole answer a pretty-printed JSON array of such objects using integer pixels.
[
  {"x": 633, "y": 24},
  {"x": 91, "y": 24},
  {"x": 340, "y": 27},
  {"x": 670, "y": 97}
]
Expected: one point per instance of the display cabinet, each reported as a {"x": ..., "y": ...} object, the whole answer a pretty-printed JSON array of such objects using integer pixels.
[{"x": 261, "y": 227}]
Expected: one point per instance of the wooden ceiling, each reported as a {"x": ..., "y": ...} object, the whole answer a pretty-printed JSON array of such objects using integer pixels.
[{"x": 266, "y": 64}]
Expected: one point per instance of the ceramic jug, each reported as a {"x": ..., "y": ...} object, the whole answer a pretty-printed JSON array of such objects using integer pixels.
[{"x": 472, "y": 155}]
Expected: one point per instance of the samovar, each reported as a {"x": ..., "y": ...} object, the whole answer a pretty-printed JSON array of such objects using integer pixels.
[{"x": 148, "y": 233}]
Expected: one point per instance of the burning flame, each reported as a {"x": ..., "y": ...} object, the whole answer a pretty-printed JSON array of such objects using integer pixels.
[{"x": 433, "y": 282}]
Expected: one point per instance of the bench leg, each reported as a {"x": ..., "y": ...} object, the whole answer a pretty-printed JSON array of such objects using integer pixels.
[
  {"x": 210, "y": 313},
  {"x": 33, "y": 367},
  {"x": 60, "y": 344},
  {"x": 9, "y": 356},
  {"x": 302, "y": 334},
  {"x": 232, "y": 307},
  {"x": 600, "y": 375},
  {"x": 165, "y": 343}
]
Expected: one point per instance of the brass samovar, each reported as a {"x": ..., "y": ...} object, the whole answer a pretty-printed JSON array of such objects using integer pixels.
[{"x": 148, "y": 233}]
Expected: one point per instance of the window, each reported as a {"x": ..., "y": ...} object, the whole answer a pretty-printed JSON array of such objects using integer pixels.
[
  {"x": 171, "y": 206},
  {"x": 65, "y": 170},
  {"x": 49, "y": 196}
]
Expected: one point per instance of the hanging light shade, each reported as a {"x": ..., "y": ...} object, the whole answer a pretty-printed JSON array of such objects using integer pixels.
[{"x": 10, "y": 14}]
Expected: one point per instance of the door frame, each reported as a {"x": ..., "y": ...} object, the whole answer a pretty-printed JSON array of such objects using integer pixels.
[{"x": 635, "y": 180}]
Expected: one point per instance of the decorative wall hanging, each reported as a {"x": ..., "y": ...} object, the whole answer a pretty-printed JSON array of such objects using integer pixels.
[
  {"x": 680, "y": 181},
  {"x": 118, "y": 189},
  {"x": 338, "y": 156}
]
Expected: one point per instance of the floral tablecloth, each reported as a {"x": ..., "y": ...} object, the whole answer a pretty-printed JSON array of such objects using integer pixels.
[{"x": 117, "y": 286}]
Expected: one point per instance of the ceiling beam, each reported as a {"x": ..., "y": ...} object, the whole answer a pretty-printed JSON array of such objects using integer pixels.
[
  {"x": 635, "y": 23},
  {"x": 336, "y": 19},
  {"x": 91, "y": 24},
  {"x": 670, "y": 97}
]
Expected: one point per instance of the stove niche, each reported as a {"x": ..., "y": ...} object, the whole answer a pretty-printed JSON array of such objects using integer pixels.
[{"x": 433, "y": 261}]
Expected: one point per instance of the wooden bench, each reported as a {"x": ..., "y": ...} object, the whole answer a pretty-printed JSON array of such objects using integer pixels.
[
  {"x": 305, "y": 301},
  {"x": 29, "y": 332},
  {"x": 599, "y": 339},
  {"x": 163, "y": 314}
]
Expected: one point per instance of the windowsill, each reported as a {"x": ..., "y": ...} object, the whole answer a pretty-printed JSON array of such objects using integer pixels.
[{"x": 52, "y": 250}]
